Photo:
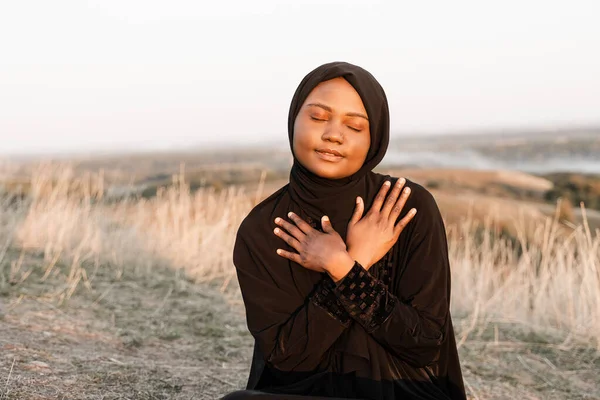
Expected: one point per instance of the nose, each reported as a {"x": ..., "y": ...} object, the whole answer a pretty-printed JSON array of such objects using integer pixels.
[{"x": 333, "y": 134}]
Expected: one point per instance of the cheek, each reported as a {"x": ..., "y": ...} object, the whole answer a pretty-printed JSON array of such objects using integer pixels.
[
  {"x": 361, "y": 146},
  {"x": 302, "y": 134}
]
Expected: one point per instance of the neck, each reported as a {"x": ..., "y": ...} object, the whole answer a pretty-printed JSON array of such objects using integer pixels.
[
  {"x": 319, "y": 196},
  {"x": 313, "y": 180}
]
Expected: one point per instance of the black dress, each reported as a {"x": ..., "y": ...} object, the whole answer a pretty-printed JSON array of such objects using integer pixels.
[{"x": 385, "y": 333}]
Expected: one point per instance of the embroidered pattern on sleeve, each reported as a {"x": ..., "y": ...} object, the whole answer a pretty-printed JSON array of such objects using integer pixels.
[
  {"x": 325, "y": 298},
  {"x": 366, "y": 298}
]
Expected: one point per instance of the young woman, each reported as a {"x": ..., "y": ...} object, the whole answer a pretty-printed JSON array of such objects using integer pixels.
[{"x": 346, "y": 286}]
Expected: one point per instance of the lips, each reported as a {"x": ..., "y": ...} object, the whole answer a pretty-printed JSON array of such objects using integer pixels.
[
  {"x": 329, "y": 155},
  {"x": 330, "y": 152}
]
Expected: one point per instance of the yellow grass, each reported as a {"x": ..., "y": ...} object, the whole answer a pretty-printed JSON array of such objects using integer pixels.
[{"x": 553, "y": 285}]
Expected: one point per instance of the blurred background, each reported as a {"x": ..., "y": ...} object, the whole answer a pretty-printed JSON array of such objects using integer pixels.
[{"x": 135, "y": 136}]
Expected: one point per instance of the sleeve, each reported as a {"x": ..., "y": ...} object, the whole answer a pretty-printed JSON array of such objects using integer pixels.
[
  {"x": 411, "y": 322},
  {"x": 292, "y": 333}
]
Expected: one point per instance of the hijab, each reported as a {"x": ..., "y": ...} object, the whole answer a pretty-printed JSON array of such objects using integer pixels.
[{"x": 319, "y": 196}]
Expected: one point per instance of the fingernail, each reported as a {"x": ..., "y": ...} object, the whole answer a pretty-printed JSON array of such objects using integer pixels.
[
  {"x": 278, "y": 251},
  {"x": 387, "y": 183},
  {"x": 290, "y": 214},
  {"x": 402, "y": 180},
  {"x": 413, "y": 211},
  {"x": 325, "y": 218},
  {"x": 276, "y": 230},
  {"x": 277, "y": 220},
  {"x": 407, "y": 190},
  {"x": 357, "y": 200}
]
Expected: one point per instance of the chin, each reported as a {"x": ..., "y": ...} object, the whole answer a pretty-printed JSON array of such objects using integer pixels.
[{"x": 326, "y": 169}]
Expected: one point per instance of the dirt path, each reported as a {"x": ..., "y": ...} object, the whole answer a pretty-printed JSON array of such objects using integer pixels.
[{"x": 156, "y": 336}]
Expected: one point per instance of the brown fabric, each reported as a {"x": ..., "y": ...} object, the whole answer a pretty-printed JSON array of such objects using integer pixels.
[{"x": 385, "y": 333}]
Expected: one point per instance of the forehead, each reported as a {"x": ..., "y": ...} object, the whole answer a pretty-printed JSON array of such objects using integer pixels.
[{"x": 338, "y": 94}]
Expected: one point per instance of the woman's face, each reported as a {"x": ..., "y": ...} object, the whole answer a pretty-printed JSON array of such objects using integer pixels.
[{"x": 331, "y": 131}]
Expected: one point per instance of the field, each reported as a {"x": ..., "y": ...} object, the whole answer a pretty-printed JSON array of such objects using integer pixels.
[{"x": 116, "y": 279}]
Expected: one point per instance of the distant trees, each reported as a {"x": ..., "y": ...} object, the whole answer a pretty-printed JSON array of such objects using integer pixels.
[{"x": 575, "y": 188}]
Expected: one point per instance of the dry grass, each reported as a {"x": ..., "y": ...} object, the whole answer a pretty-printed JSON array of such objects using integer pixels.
[
  {"x": 543, "y": 279},
  {"x": 65, "y": 240},
  {"x": 65, "y": 220}
]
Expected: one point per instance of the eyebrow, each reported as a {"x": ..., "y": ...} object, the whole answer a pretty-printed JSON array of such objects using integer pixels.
[{"x": 327, "y": 108}]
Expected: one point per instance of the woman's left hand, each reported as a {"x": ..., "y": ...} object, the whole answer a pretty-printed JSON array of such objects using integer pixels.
[{"x": 317, "y": 251}]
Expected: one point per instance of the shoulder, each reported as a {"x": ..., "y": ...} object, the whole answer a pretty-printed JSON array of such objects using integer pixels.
[
  {"x": 420, "y": 197},
  {"x": 254, "y": 229},
  {"x": 260, "y": 215},
  {"x": 429, "y": 219}
]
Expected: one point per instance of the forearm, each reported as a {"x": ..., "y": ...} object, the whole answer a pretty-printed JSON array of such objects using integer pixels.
[
  {"x": 363, "y": 256},
  {"x": 294, "y": 330},
  {"x": 339, "y": 269},
  {"x": 400, "y": 327},
  {"x": 302, "y": 342}
]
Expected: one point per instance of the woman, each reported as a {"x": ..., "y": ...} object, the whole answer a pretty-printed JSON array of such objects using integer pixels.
[{"x": 346, "y": 286}]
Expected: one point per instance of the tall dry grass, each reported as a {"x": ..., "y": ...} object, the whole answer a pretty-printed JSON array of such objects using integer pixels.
[
  {"x": 547, "y": 280},
  {"x": 544, "y": 279}
]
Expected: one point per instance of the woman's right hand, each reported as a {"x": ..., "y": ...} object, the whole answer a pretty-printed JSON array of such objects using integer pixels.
[{"x": 370, "y": 237}]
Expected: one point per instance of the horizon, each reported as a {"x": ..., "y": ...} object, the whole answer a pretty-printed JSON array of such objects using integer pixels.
[{"x": 282, "y": 143}]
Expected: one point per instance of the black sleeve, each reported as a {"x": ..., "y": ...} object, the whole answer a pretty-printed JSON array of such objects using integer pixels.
[
  {"x": 325, "y": 298},
  {"x": 412, "y": 329},
  {"x": 292, "y": 333}
]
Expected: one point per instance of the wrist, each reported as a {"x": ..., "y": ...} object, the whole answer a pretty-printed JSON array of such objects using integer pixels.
[
  {"x": 363, "y": 260},
  {"x": 340, "y": 268}
]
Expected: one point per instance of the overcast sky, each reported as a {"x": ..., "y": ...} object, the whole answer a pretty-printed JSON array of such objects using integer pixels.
[{"x": 157, "y": 74}]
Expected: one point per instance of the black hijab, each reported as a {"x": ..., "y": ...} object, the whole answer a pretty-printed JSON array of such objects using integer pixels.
[{"x": 319, "y": 196}]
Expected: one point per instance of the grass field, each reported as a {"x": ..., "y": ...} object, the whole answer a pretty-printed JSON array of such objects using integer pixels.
[{"x": 136, "y": 298}]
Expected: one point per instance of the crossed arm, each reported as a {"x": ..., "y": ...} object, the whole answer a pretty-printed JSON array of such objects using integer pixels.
[{"x": 298, "y": 337}]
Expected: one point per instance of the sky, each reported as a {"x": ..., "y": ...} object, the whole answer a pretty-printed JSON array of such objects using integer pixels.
[{"x": 132, "y": 74}]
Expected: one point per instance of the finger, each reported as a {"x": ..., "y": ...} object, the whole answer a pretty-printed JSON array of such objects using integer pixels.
[
  {"x": 391, "y": 200},
  {"x": 326, "y": 223},
  {"x": 399, "y": 205},
  {"x": 290, "y": 256},
  {"x": 288, "y": 239},
  {"x": 376, "y": 207},
  {"x": 404, "y": 221},
  {"x": 300, "y": 223},
  {"x": 358, "y": 211},
  {"x": 290, "y": 228}
]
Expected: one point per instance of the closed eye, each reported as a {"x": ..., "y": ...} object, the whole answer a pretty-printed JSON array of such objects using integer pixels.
[
  {"x": 317, "y": 119},
  {"x": 354, "y": 129}
]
